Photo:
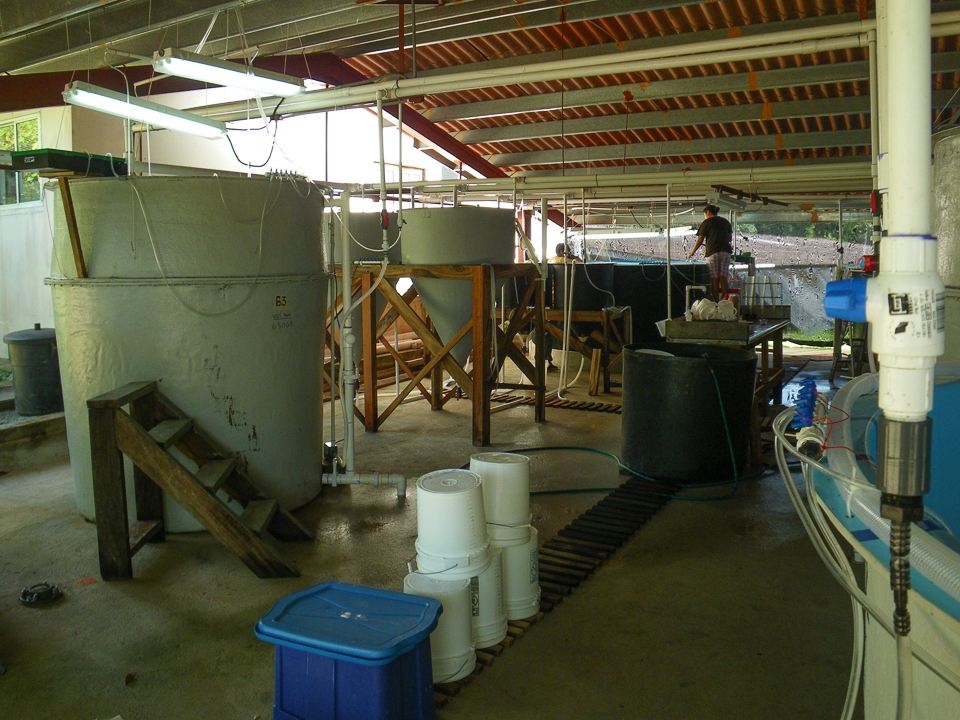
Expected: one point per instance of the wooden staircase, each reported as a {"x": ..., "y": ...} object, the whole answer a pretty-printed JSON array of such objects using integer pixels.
[{"x": 146, "y": 434}]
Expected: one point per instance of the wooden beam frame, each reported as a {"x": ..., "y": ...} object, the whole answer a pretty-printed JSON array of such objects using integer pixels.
[{"x": 486, "y": 340}]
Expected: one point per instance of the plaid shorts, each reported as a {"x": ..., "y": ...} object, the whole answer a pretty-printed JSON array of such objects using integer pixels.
[{"x": 719, "y": 265}]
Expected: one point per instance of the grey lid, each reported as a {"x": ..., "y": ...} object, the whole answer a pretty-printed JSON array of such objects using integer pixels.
[{"x": 34, "y": 336}]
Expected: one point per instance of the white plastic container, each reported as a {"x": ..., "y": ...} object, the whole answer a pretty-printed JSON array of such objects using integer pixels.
[
  {"x": 451, "y": 527},
  {"x": 489, "y": 614},
  {"x": 521, "y": 578},
  {"x": 506, "y": 493},
  {"x": 451, "y": 644}
]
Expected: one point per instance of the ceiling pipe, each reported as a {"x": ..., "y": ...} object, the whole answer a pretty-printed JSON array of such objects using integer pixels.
[{"x": 793, "y": 42}]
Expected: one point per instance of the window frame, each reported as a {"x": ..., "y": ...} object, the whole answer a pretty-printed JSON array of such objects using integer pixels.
[{"x": 14, "y": 122}]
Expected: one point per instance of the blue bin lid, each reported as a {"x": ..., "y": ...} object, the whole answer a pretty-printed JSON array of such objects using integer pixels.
[{"x": 361, "y": 624}]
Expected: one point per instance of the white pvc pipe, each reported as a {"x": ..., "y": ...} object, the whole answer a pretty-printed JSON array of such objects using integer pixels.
[
  {"x": 874, "y": 105},
  {"x": 908, "y": 113},
  {"x": 792, "y": 42},
  {"x": 669, "y": 294},
  {"x": 904, "y": 299}
]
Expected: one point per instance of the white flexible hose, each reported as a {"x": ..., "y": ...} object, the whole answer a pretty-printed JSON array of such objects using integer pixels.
[
  {"x": 933, "y": 559},
  {"x": 782, "y": 446}
]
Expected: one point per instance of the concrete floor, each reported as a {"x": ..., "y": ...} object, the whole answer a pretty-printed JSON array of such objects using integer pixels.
[{"x": 713, "y": 610}]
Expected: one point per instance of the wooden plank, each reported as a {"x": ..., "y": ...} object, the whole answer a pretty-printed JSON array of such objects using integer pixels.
[
  {"x": 109, "y": 496},
  {"x": 258, "y": 514},
  {"x": 406, "y": 369},
  {"x": 142, "y": 531},
  {"x": 122, "y": 395},
  {"x": 149, "y": 496},
  {"x": 430, "y": 341},
  {"x": 284, "y": 526},
  {"x": 212, "y": 512},
  {"x": 391, "y": 314},
  {"x": 593, "y": 383},
  {"x": 482, "y": 351},
  {"x": 213, "y": 473},
  {"x": 167, "y": 432},
  {"x": 74, "y": 232},
  {"x": 434, "y": 361}
]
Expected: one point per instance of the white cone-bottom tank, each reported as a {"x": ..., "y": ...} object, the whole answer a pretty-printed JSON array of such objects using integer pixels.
[
  {"x": 452, "y": 650},
  {"x": 455, "y": 236},
  {"x": 214, "y": 288}
]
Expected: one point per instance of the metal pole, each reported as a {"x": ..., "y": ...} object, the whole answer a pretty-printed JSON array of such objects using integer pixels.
[{"x": 669, "y": 279}]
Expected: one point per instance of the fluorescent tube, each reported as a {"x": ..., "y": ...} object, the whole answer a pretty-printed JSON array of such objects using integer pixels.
[
  {"x": 114, "y": 103},
  {"x": 172, "y": 61}
]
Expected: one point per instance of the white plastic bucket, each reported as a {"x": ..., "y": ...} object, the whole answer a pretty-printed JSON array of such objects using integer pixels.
[
  {"x": 451, "y": 644},
  {"x": 451, "y": 527},
  {"x": 521, "y": 578},
  {"x": 489, "y": 614},
  {"x": 506, "y": 486},
  {"x": 505, "y": 535}
]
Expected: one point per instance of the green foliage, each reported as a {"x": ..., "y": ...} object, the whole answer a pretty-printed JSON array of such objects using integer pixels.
[{"x": 853, "y": 232}]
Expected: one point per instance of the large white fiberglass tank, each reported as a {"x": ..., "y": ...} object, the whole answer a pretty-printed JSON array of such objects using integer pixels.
[
  {"x": 213, "y": 287},
  {"x": 946, "y": 228},
  {"x": 455, "y": 236}
]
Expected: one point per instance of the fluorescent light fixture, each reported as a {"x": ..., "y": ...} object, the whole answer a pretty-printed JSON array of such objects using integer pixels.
[
  {"x": 758, "y": 266},
  {"x": 181, "y": 63},
  {"x": 114, "y": 103}
]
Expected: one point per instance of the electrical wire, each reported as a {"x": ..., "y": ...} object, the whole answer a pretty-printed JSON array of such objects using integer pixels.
[{"x": 170, "y": 286}]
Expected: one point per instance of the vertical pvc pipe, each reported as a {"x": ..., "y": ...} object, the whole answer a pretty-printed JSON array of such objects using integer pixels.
[
  {"x": 544, "y": 209},
  {"x": 908, "y": 44},
  {"x": 669, "y": 279},
  {"x": 874, "y": 106},
  {"x": 347, "y": 338}
]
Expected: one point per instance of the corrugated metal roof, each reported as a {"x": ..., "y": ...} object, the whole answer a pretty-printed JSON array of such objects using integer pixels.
[
  {"x": 732, "y": 15},
  {"x": 695, "y": 104}
]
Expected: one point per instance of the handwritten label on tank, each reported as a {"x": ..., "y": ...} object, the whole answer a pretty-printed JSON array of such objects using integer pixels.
[{"x": 282, "y": 319}]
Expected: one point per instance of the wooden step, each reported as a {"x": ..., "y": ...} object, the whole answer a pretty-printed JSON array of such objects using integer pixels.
[
  {"x": 141, "y": 532},
  {"x": 212, "y": 474},
  {"x": 285, "y": 526},
  {"x": 167, "y": 432},
  {"x": 258, "y": 514}
]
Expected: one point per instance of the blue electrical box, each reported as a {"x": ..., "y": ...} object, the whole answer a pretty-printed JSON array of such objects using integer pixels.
[{"x": 346, "y": 652}]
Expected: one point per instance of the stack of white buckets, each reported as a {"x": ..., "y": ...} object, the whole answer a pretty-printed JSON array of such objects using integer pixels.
[{"x": 477, "y": 555}]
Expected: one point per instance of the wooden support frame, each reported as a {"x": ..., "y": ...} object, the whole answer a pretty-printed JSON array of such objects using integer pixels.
[
  {"x": 74, "y": 232},
  {"x": 488, "y": 342}
]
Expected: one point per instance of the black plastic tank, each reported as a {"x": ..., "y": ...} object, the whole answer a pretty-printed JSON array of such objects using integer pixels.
[
  {"x": 36, "y": 371},
  {"x": 643, "y": 287},
  {"x": 592, "y": 285},
  {"x": 672, "y": 426}
]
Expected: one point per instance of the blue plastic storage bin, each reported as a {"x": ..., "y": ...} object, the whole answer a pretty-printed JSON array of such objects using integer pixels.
[{"x": 348, "y": 652}]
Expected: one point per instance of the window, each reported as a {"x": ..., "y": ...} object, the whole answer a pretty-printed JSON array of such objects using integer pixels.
[{"x": 19, "y": 187}]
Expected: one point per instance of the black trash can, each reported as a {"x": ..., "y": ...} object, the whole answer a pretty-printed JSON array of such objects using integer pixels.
[
  {"x": 36, "y": 371},
  {"x": 672, "y": 426}
]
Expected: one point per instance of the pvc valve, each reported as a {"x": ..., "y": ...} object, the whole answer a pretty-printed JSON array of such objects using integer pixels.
[{"x": 847, "y": 299}]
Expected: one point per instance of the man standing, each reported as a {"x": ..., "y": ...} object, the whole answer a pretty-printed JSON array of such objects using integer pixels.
[{"x": 718, "y": 234}]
